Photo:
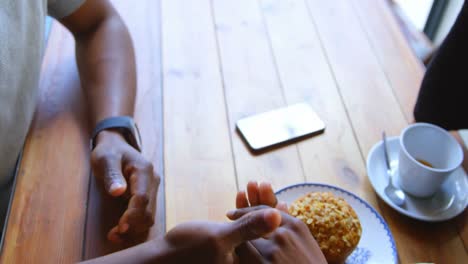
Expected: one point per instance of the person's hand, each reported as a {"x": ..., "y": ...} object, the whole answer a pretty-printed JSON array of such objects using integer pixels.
[
  {"x": 272, "y": 249},
  {"x": 199, "y": 242},
  {"x": 289, "y": 243},
  {"x": 124, "y": 170},
  {"x": 210, "y": 242},
  {"x": 259, "y": 194}
]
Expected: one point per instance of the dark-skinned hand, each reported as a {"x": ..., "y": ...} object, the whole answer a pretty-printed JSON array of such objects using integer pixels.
[
  {"x": 290, "y": 243},
  {"x": 210, "y": 242},
  {"x": 125, "y": 173}
]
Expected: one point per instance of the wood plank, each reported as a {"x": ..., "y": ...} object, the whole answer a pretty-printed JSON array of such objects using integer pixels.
[
  {"x": 333, "y": 157},
  {"x": 199, "y": 168},
  {"x": 251, "y": 86},
  {"x": 143, "y": 22},
  {"x": 373, "y": 108},
  {"x": 47, "y": 218},
  {"x": 401, "y": 66},
  {"x": 366, "y": 93},
  {"x": 462, "y": 226},
  {"x": 425, "y": 242}
]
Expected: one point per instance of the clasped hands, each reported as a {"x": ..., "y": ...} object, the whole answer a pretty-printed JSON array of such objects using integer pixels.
[{"x": 261, "y": 230}]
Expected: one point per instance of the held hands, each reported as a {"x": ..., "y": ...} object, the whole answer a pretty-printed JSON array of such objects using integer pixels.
[
  {"x": 259, "y": 194},
  {"x": 210, "y": 242},
  {"x": 258, "y": 234},
  {"x": 291, "y": 242},
  {"x": 125, "y": 172}
]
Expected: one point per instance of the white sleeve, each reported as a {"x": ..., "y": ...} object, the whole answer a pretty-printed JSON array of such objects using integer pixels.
[{"x": 62, "y": 8}]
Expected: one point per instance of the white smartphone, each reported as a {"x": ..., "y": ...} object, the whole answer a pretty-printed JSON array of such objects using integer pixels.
[{"x": 280, "y": 126}]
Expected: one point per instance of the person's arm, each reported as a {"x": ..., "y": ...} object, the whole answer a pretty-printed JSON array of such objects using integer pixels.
[
  {"x": 106, "y": 59},
  {"x": 199, "y": 241},
  {"x": 106, "y": 63},
  {"x": 148, "y": 252}
]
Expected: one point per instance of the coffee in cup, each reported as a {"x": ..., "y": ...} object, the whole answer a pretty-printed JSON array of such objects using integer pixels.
[{"x": 428, "y": 155}]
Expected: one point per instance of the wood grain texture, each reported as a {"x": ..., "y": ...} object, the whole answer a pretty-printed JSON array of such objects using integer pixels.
[
  {"x": 143, "y": 22},
  {"x": 373, "y": 108},
  {"x": 462, "y": 227},
  {"x": 366, "y": 93},
  {"x": 402, "y": 68},
  {"x": 333, "y": 157},
  {"x": 46, "y": 223},
  {"x": 251, "y": 86},
  {"x": 419, "y": 241},
  {"x": 202, "y": 65},
  {"x": 199, "y": 167}
]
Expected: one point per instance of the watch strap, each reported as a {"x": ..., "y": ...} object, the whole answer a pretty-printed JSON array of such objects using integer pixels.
[{"x": 124, "y": 125}]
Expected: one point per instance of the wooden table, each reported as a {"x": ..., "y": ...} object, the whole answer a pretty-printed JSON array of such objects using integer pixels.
[{"x": 202, "y": 65}]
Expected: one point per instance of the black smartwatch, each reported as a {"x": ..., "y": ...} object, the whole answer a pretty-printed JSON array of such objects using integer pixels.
[{"x": 124, "y": 125}]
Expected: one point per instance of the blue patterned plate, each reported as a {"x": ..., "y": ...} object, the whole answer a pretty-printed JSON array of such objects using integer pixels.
[{"x": 376, "y": 245}]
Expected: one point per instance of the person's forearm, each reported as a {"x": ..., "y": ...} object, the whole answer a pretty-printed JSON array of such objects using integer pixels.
[
  {"x": 106, "y": 63},
  {"x": 153, "y": 251}
]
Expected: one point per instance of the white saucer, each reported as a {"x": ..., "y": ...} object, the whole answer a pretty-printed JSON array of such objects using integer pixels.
[
  {"x": 447, "y": 203},
  {"x": 374, "y": 227}
]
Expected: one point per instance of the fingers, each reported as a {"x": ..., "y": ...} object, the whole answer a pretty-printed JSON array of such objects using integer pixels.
[
  {"x": 139, "y": 217},
  {"x": 253, "y": 193},
  {"x": 260, "y": 194},
  {"x": 135, "y": 221},
  {"x": 238, "y": 213},
  {"x": 125, "y": 170},
  {"x": 262, "y": 245},
  {"x": 283, "y": 207},
  {"x": 247, "y": 253},
  {"x": 266, "y": 194},
  {"x": 133, "y": 224},
  {"x": 108, "y": 166},
  {"x": 251, "y": 226},
  {"x": 140, "y": 173},
  {"x": 114, "y": 235},
  {"x": 241, "y": 200}
]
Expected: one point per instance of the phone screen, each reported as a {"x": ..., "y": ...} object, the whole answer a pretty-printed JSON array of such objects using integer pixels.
[{"x": 279, "y": 126}]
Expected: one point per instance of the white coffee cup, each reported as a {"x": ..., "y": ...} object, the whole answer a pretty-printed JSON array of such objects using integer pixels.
[{"x": 434, "y": 145}]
